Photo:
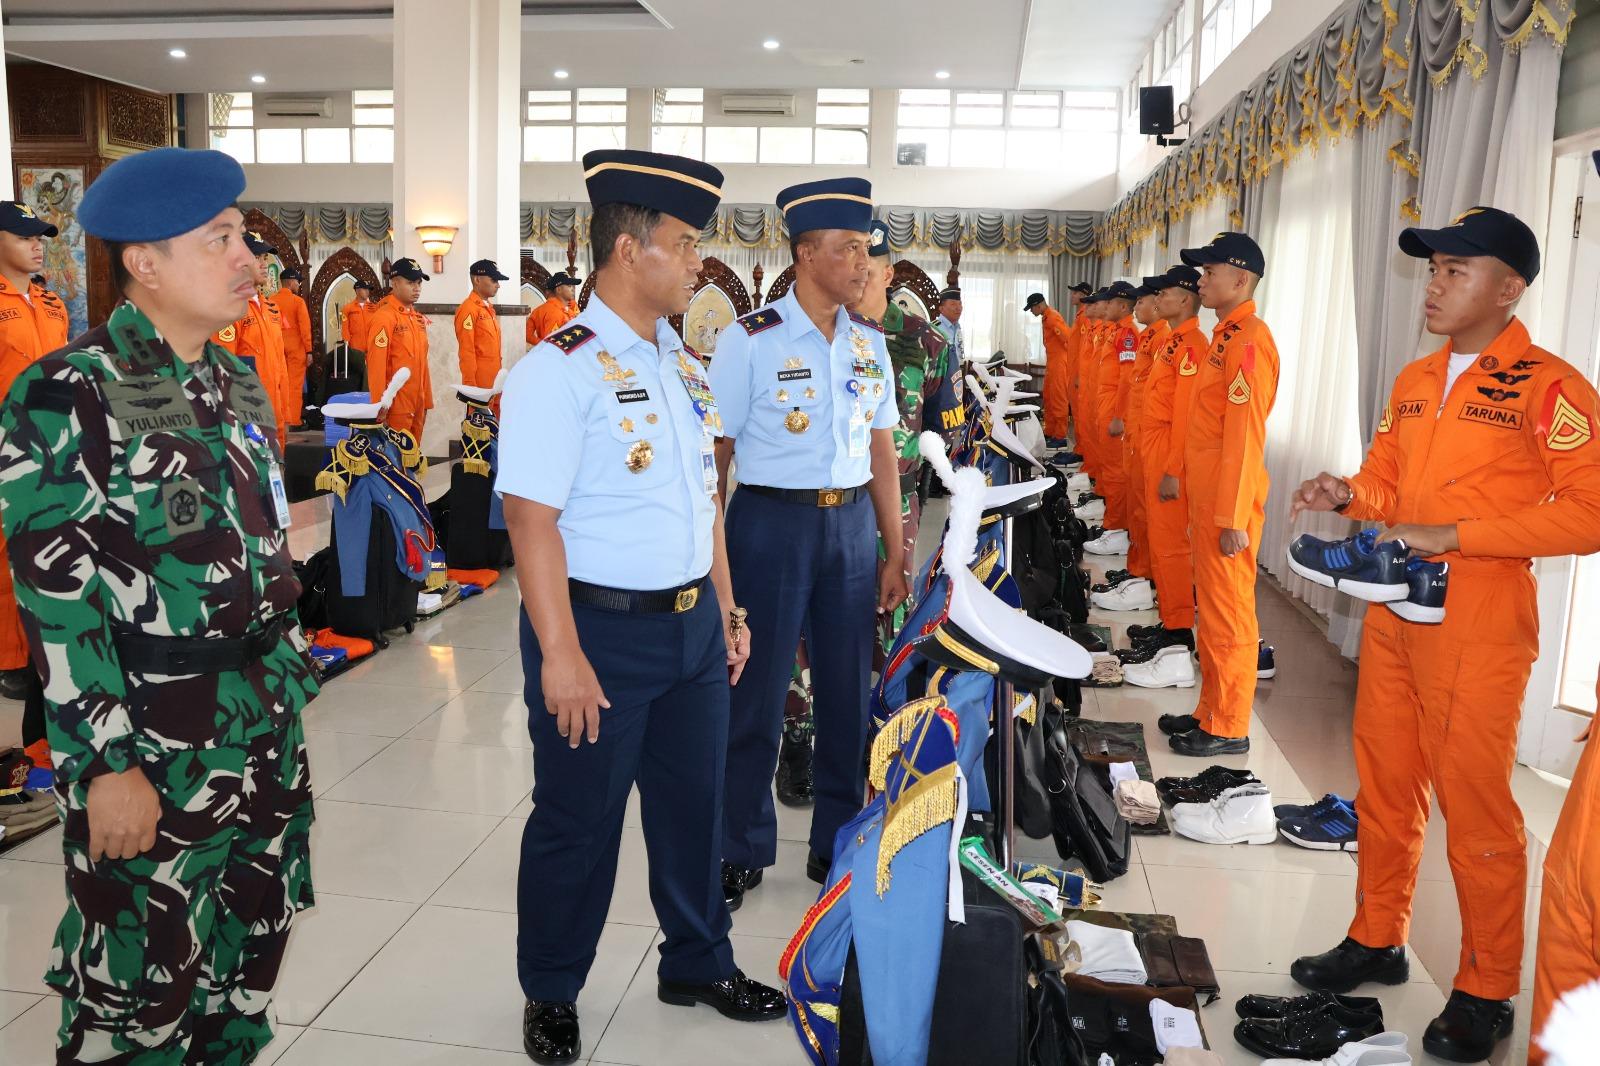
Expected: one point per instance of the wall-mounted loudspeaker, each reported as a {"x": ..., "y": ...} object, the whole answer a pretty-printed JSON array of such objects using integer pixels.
[{"x": 1155, "y": 110}]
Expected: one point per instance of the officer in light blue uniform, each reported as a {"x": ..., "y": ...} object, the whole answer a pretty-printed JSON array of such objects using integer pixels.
[
  {"x": 806, "y": 392},
  {"x": 609, "y": 484},
  {"x": 949, "y": 326}
]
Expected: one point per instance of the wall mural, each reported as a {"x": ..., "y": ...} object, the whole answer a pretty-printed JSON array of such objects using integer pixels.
[{"x": 54, "y": 194}]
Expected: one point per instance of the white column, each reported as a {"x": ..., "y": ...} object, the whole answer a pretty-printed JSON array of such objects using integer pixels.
[{"x": 457, "y": 162}]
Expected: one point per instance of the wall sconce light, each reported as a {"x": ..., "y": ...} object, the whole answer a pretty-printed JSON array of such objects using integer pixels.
[{"x": 436, "y": 241}]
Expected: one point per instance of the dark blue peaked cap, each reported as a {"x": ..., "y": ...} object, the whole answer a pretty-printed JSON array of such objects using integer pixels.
[
  {"x": 835, "y": 203},
  {"x": 686, "y": 189},
  {"x": 159, "y": 194}
]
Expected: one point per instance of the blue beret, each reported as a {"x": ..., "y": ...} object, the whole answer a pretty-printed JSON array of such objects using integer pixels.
[
  {"x": 835, "y": 203},
  {"x": 158, "y": 194},
  {"x": 686, "y": 189}
]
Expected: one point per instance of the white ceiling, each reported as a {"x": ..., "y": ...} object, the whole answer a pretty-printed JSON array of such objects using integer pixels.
[{"x": 328, "y": 45}]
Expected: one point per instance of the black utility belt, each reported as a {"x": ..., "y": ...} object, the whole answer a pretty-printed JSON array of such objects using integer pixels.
[
  {"x": 140, "y": 653},
  {"x": 630, "y": 601},
  {"x": 810, "y": 497}
]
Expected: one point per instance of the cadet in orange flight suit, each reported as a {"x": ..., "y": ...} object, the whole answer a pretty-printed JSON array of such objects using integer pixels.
[
  {"x": 1162, "y": 436},
  {"x": 1057, "y": 355},
  {"x": 1483, "y": 460},
  {"x": 1116, "y": 356},
  {"x": 257, "y": 338},
  {"x": 355, "y": 319},
  {"x": 33, "y": 323},
  {"x": 1085, "y": 404},
  {"x": 1132, "y": 402},
  {"x": 399, "y": 338},
  {"x": 555, "y": 312},
  {"x": 1225, "y": 476},
  {"x": 1569, "y": 912},
  {"x": 296, "y": 322},
  {"x": 477, "y": 328}
]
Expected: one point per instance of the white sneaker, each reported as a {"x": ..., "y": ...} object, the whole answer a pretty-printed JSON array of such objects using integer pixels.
[
  {"x": 1092, "y": 511},
  {"x": 1168, "y": 668},
  {"x": 1385, "y": 1049},
  {"x": 1079, "y": 483},
  {"x": 1241, "y": 815},
  {"x": 1111, "y": 542},
  {"x": 1135, "y": 594}
]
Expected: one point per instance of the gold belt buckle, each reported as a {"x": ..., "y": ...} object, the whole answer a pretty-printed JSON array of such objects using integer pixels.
[
  {"x": 829, "y": 497},
  {"x": 687, "y": 598}
]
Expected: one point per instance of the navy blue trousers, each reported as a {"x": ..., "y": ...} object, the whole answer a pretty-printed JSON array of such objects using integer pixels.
[
  {"x": 666, "y": 676},
  {"x": 799, "y": 569}
]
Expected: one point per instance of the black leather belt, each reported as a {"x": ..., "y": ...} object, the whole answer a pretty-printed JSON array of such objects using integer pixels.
[
  {"x": 140, "y": 653},
  {"x": 662, "y": 601},
  {"x": 810, "y": 497}
]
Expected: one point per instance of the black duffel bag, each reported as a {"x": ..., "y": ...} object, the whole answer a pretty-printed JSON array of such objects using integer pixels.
[{"x": 1084, "y": 817}]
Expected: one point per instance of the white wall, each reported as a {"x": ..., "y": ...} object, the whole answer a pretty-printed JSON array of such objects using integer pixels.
[{"x": 1088, "y": 183}]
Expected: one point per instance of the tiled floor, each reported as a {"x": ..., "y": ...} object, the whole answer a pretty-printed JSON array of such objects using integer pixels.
[{"x": 422, "y": 773}]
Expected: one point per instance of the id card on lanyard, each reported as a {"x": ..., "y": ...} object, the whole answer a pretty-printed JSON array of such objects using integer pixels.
[
  {"x": 280, "y": 495},
  {"x": 705, "y": 407}
]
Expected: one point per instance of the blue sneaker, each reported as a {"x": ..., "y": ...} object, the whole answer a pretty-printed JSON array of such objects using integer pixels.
[
  {"x": 1332, "y": 828},
  {"x": 1291, "y": 810},
  {"x": 1358, "y": 566},
  {"x": 1266, "y": 663},
  {"x": 1428, "y": 583}
]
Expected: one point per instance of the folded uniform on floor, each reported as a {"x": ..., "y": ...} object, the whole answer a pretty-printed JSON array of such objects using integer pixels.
[
  {"x": 1110, "y": 955},
  {"x": 1138, "y": 802}
]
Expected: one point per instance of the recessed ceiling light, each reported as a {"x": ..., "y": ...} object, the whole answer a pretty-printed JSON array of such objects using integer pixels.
[
  {"x": 561, "y": 74},
  {"x": 177, "y": 53},
  {"x": 769, "y": 44},
  {"x": 941, "y": 74},
  {"x": 259, "y": 79}
]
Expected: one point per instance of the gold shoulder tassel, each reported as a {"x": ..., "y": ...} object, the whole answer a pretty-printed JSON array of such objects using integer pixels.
[
  {"x": 893, "y": 736},
  {"x": 929, "y": 802}
]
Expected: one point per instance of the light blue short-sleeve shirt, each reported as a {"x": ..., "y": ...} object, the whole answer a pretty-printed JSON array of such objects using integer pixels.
[
  {"x": 616, "y": 432},
  {"x": 795, "y": 404}
]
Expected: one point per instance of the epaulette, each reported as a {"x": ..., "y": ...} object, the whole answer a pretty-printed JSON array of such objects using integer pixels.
[
  {"x": 863, "y": 320},
  {"x": 757, "y": 321},
  {"x": 571, "y": 338},
  {"x": 697, "y": 357}
]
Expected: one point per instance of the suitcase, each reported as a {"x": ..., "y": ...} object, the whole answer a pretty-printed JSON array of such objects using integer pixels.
[
  {"x": 981, "y": 1008},
  {"x": 390, "y": 600},
  {"x": 345, "y": 373}
]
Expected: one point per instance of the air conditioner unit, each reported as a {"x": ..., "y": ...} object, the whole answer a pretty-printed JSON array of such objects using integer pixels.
[
  {"x": 297, "y": 106},
  {"x": 763, "y": 105}
]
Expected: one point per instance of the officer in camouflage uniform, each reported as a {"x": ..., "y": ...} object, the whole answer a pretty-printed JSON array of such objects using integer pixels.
[{"x": 143, "y": 501}]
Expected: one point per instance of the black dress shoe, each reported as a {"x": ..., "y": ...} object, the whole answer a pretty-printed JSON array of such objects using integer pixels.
[
  {"x": 817, "y": 867},
  {"x": 14, "y": 683},
  {"x": 1205, "y": 786},
  {"x": 1113, "y": 579},
  {"x": 1350, "y": 965},
  {"x": 1138, "y": 633},
  {"x": 793, "y": 779},
  {"x": 1204, "y": 793},
  {"x": 1087, "y": 638},
  {"x": 550, "y": 1032},
  {"x": 736, "y": 881},
  {"x": 1468, "y": 1028},
  {"x": 1313, "y": 1034},
  {"x": 1173, "y": 724},
  {"x": 1281, "y": 1006},
  {"x": 735, "y": 997},
  {"x": 1199, "y": 744}
]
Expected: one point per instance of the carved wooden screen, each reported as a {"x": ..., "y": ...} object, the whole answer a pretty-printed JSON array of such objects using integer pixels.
[
  {"x": 719, "y": 298},
  {"x": 534, "y": 275},
  {"x": 780, "y": 285},
  {"x": 343, "y": 263},
  {"x": 913, "y": 290},
  {"x": 288, "y": 254}
]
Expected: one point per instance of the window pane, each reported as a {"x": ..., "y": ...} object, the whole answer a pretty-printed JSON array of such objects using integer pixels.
[
  {"x": 592, "y": 138},
  {"x": 1096, "y": 121},
  {"x": 924, "y": 116},
  {"x": 549, "y": 96},
  {"x": 934, "y": 147},
  {"x": 843, "y": 96},
  {"x": 678, "y": 140},
  {"x": 1035, "y": 149},
  {"x": 373, "y": 116},
  {"x": 278, "y": 146},
  {"x": 328, "y": 145},
  {"x": 842, "y": 114},
  {"x": 602, "y": 113},
  {"x": 731, "y": 144},
  {"x": 785, "y": 144},
  {"x": 977, "y": 148},
  {"x": 549, "y": 112},
  {"x": 601, "y": 96},
  {"x": 547, "y": 144},
  {"x": 924, "y": 96},
  {"x": 692, "y": 113},
  {"x": 373, "y": 145},
  {"x": 684, "y": 96},
  {"x": 980, "y": 109},
  {"x": 1036, "y": 109},
  {"x": 241, "y": 144},
  {"x": 1097, "y": 98},
  {"x": 378, "y": 97},
  {"x": 842, "y": 147}
]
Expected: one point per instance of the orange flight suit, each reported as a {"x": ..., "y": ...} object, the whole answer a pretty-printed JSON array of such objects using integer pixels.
[
  {"x": 1132, "y": 401},
  {"x": 477, "y": 341},
  {"x": 1087, "y": 406},
  {"x": 31, "y": 328},
  {"x": 257, "y": 338},
  {"x": 1117, "y": 355},
  {"x": 1162, "y": 433},
  {"x": 399, "y": 338},
  {"x": 1509, "y": 457},
  {"x": 296, "y": 348},
  {"x": 356, "y": 323},
  {"x": 549, "y": 317},
  {"x": 1226, "y": 478},
  {"x": 1057, "y": 356},
  {"x": 1569, "y": 912}
]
